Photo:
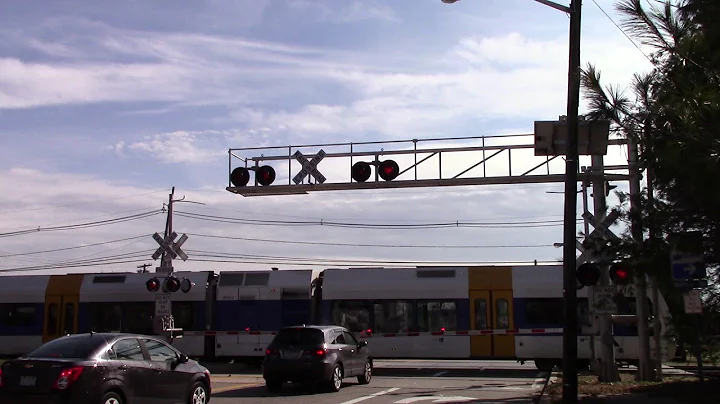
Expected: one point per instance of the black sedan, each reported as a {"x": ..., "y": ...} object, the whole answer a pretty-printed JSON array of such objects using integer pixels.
[{"x": 104, "y": 368}]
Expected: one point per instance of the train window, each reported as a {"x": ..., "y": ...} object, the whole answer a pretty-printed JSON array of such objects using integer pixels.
[
  {"x": 138, "y": 317},
  {"x": 110, "y": 279},
  {"x": 106, "y": 317},
  {"x": 184, "y": 314},
  {"x": 69, "y": 318},
  {"x": 230, "y": 279},
  {"x": 481, "y": 322},
  {"x": 52, "y": 319},
  {"x": 549, "y": 312},
  {"x": 502, "y": 314},
  {"x": 352, "y": 314},
  {"x": 257, "y": 279},
  {"x": 295, "y": 294},
  {"x": 18, "y": 315},
  {"x": 434, "y": 316},
  {"x": 128, "y": 350},
  {"x": 442, "y": 273},
  {"x": 393, "y": 316}
]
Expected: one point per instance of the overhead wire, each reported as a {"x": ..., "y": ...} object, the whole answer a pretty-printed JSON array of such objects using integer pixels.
[
  {"x": 105, "y": 200},
  {"x": 85, "y": 225},
  {"x": 259, "y": 222},
  {"x": 73, "y": 247}
]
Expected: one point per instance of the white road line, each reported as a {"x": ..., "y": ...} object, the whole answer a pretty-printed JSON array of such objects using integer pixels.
[
  {"x": 438, "y": 374},
  {"x": 379, "y": 393}
]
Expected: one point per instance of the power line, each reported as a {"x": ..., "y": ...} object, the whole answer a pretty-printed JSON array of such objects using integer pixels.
[
  {"x": 223, "y": 219},
  {"x": 82, "y": 225},
  {"x": 79, "y": 203},
  {"x": 73, "y": 248},
  {"x": 364, "y": 245}
]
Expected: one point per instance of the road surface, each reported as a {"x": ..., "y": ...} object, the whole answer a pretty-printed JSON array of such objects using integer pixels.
[{"x": 401, "y": 382}]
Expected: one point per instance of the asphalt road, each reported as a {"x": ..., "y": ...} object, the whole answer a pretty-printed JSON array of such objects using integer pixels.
[{"x": 400, "y": 382}]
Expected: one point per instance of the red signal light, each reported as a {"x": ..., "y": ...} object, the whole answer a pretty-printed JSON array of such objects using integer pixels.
[
  {"x": 240, "y": 176},
  {"x": 588, "y": 274},
  {"x": 619, "y": 275},
  {"x": 265, "y": 175},
  {"x": 361, "y": 171},
  {"x": 153, "y": 285},
  {"x": 172, "y": 284},
  {"x": 388, "y": 170}
]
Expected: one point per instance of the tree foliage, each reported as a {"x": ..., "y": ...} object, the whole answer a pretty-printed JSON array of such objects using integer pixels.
[{"x": 673, "y": 112}]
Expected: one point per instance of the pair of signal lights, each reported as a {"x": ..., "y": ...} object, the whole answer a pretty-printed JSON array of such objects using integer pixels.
[
  {"x": 240, "y": 176},
  {"x": 388, "y": 170},
  {"x": 171, "y": 284},
  {"x": 588, "y": 274}
]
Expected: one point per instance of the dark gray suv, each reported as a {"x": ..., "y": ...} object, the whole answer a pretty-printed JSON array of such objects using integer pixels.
[{"x": 316, "y": 354}]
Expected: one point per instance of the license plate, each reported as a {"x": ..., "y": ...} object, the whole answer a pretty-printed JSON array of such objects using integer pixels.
[
  {"x": 291, "y": 354},
  {"x": 27, "y": 380}
]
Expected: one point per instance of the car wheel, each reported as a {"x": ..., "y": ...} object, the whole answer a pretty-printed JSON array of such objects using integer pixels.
[
  {"x": 112, "y": 397},
  {"x": 198, "y": 394},
  {"x": 367, "y": 374},
  {"x": 273, "y": 386},
  {"x": 336, "y": 379}
]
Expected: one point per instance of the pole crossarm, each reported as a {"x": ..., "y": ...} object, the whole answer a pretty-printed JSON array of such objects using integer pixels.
[{"x": 453, "y": 164}]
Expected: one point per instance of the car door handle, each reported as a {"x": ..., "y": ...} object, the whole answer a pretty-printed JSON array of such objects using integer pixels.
[
  {"x": 123, "y": 367},
  {"x": 158, "y": 370},
  {"x": 339, "y": 349}
]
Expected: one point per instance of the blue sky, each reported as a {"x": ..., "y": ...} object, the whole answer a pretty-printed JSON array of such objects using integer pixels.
[{"x": 105, "y": 106}]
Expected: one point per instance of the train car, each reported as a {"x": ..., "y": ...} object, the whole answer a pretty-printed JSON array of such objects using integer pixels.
[
  {"x": 468, "y": 312},
  {"x": 411, "y": 305},
  {"x": 22, "y": 307},
  {"x": 120, "y": 302},
  {"x": 251, "y": 306}
]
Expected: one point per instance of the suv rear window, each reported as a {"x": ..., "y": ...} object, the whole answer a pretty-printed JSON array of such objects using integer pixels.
[
  {"x": 299, "y": 336},
  {"x": 76, "y": 347}
]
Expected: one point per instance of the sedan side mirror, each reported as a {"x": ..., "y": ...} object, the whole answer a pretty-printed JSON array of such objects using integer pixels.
[
  {"x": 182, "y": 358},
  {"x": 362, "y": 344}
]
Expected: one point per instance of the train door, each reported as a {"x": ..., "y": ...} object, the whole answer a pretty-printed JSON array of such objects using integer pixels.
[
  {"x": 61, "y": 306},
  {"x": 480, "y": 345},
  {"x": 502, "y": 319}
]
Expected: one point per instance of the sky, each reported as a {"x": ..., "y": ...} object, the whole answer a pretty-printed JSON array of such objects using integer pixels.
[{"x": 105, "y": 107}]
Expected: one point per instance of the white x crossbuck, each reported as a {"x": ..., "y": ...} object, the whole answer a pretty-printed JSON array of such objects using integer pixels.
[
  {"x": 309, "y": 167},
  {"x": 601, "y": 229},
  {"x": 169, "y": 247}
]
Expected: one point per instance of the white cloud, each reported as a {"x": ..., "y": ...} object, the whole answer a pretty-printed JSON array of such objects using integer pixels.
[
  {"x": 180, "y": 147},
  {"x": 346, "y": 11}
]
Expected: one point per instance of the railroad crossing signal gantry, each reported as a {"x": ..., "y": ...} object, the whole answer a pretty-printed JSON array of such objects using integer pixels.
[{"x": 305, "y": 173}]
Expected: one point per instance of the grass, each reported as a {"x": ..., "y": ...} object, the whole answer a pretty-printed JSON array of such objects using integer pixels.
[{"x": 684, "y": 389}]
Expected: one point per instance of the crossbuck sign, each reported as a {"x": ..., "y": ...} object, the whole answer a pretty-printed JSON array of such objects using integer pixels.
[
  {"x": 169, "y": 247},
  {"x": 309, "y": 167},
  {"x": 602, "y": 230}
]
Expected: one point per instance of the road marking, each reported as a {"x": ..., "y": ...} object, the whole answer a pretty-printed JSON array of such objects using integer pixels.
[
  {"x": 241, "y": 386},
  {"x": 438, "y": 374},
  {"x": 379, "y": 393}
]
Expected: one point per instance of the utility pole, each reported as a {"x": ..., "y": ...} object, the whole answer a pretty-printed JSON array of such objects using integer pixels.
[
  {"x": 143, "y": 266},
  {"x": 586, "y": 232},
  {"x": 570, "y": 343},
  {"x": 644, "y": 369},
  {"x": 608, "y": 367}
]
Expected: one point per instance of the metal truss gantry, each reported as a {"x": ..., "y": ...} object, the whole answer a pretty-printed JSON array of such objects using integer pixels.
[{"x": 422, "y": 150}]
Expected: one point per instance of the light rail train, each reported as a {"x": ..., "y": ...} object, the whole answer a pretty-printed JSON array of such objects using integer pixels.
[{"x": 484, "y": 312}]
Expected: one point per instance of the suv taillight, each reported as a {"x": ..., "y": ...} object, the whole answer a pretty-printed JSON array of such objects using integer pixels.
[
  {"x": 269, "y": 352},
  {"x": 1, "y": 377},
  {"x": 68, "y": 377}
]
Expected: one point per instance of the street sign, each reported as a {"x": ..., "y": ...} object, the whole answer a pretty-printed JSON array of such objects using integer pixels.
[
  {"x": 693, "y": 303},
  {"x": 309, "y": 167},
  {"x": 163, "y": 304},
  {"x": 169, "y": 247},
  {"x": 603, "y": 300},
  {"x": 686, "y": 255}
]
